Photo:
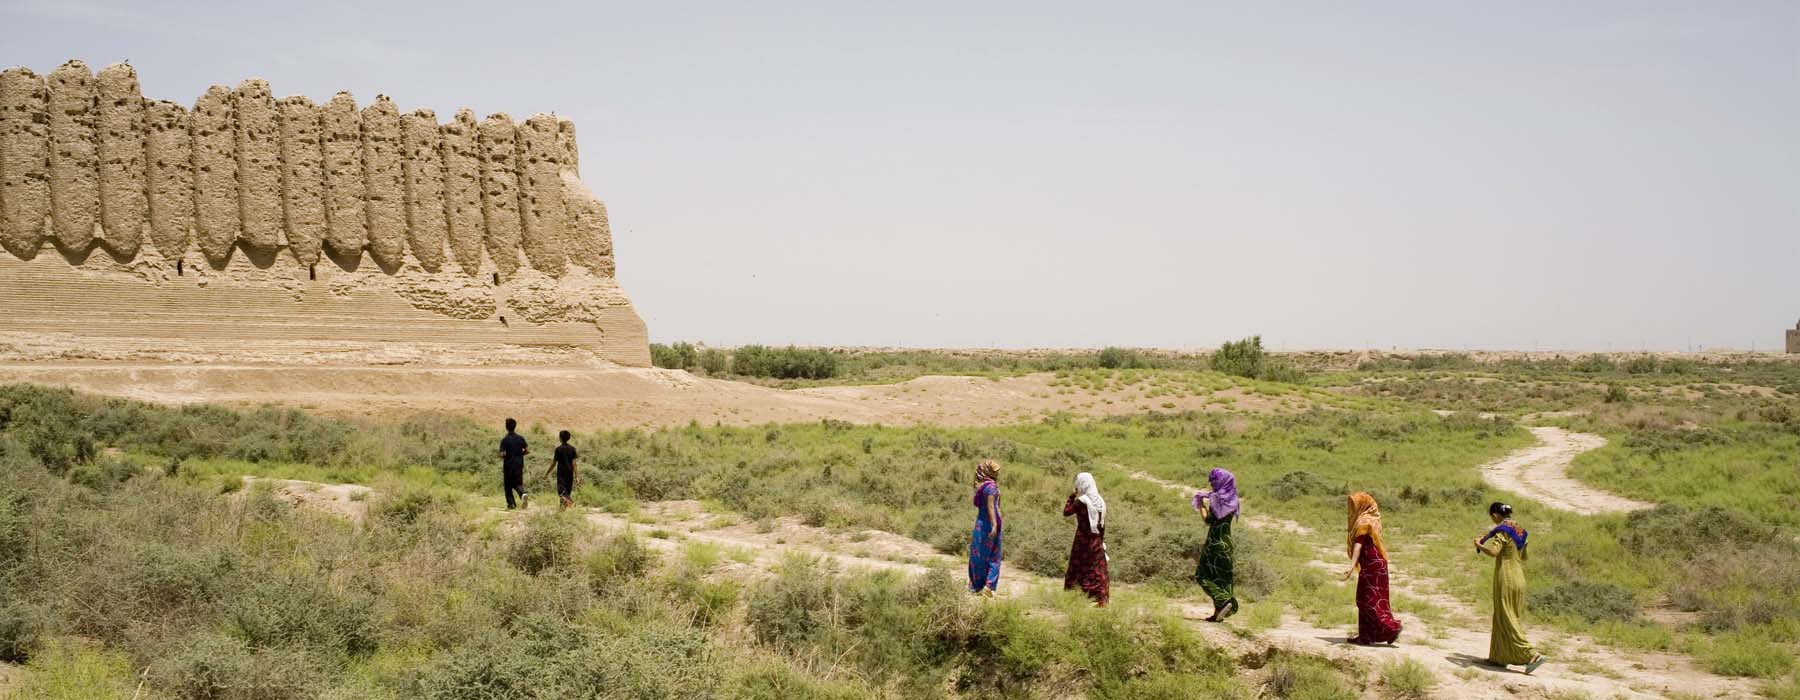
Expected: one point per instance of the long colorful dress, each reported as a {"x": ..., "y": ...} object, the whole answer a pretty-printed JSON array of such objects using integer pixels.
[
  {"x": 984, "y": 555},
  {"x": 1508, "y": 644},
  {"x": 1375, "y": 623},
  {"x": 1087, "y": 556},
  {"x": 1214, "y": 572}
]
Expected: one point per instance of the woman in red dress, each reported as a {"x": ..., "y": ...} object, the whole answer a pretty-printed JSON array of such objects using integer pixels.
[
  {"x": 1375, "y": 623},
  {"x": 1087, "y": 557}
]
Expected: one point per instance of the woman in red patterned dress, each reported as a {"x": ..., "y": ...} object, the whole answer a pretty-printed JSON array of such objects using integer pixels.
[
  {"x": 1087, "y": 557},
  {"x": 1375, "y": 623}
]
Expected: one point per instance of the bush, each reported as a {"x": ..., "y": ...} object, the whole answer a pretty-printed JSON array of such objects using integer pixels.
[
  {"x": 1297, "y": 484},
  {"x": 1406, "y": 679},
  {"x": 620, "y": 558},
  {"x": 1121, "y": 358},
  {"x": 677, "y": 356},
  {"x": 714, "y": 362},
  {"x": 547, "y": 542},
  {"x": 1299, "y": 678},
  {"x": 795, "y": 606},
  {"x": 1242, "y": 358},
  {"x": 784, "y": 363},
  {"x": 75, "y": 670},
  {"x": 212, "y": 666},
  {"x": 1745, "y": 655},
  {"x": 1593, "y": 602}
]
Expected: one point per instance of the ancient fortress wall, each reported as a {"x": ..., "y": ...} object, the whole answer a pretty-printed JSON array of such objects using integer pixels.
[
  {"x": 139, "y": 227},
  {"x": 1793, "y": 339}
]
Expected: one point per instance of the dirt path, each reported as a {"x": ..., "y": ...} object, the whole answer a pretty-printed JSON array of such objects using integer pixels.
[{"x": 1541, "y": 472}]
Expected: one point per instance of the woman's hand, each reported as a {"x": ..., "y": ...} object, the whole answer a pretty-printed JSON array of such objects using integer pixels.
[{"x": 1348, "y": 573}]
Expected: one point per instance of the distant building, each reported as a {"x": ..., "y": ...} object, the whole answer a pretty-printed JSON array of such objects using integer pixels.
[{"x": 1793, "y": 344}]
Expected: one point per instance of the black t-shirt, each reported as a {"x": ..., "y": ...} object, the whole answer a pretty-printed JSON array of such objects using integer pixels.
[
  {"x": 512, "y": 448},
  {"x": 565, "y": 459}
]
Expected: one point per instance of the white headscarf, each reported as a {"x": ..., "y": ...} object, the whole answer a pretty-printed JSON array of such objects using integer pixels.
[{"x": 1088, "y": 493}]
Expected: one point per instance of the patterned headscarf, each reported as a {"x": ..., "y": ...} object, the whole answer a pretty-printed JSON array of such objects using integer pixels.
[
  {"x": 1365, "y": 519},
  {"x": 1224, "y": 497},
  {"x": 1088, "y": 493},
  {"x": 987, "y": 470}
]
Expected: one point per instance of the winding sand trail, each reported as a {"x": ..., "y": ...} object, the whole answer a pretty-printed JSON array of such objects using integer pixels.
[{"x": 1541, "y": 472}]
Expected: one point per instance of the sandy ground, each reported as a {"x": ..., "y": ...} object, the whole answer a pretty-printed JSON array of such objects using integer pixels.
[
  {"x": 587, "y": 397},
  {"x": 1542, "y": 473}
]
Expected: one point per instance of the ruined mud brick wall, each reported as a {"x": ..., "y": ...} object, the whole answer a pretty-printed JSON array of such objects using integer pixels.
[
  {"x": 1793, "y": 339},
  {"x": 131, "y": 224}
]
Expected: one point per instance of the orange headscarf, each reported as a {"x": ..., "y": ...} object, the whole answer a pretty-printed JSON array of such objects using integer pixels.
[
  {"x": 1365, "y": 519},
  {"x": 987, "y": 470}
]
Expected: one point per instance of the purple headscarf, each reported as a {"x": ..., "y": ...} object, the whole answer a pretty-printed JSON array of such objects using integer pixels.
[{"x": 1224, "y": 497}]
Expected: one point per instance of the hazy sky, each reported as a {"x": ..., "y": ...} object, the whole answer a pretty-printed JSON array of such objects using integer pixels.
[{"x": 1489, "y": 175}]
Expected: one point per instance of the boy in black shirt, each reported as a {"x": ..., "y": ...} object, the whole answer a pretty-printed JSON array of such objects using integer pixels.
[
  {"x": 563, "y": 462},
  {"x": 512, "y": 465}
]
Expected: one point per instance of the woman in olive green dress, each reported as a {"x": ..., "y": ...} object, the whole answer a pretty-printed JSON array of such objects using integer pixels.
[{"x": 1508, "y": 645}]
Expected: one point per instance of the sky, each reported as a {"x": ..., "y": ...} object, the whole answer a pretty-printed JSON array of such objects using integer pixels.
[{"x": 1534, "y": 175}]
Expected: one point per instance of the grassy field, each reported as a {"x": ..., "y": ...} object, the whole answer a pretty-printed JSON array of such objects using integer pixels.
[{"x": 122, "y": 564}]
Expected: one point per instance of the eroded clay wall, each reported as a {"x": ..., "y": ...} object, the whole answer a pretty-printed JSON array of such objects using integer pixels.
[
  {"x": 473, "y": 220},
  {"x": 87, "y": 161},
  {"x": 1793, "y": 340}
]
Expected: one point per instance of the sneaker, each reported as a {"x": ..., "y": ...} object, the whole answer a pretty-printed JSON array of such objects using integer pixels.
[
  {"x": 524, "y": 501},
  {"x": 1535, "y": 663}
]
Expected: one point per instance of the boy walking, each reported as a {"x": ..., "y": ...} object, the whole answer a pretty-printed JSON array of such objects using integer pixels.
[
  {"x": 512, "y": 465},
  {"x": 563, "y": 463}
]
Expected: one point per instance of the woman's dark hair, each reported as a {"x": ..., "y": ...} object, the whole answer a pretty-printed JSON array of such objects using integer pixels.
[{"x": 1500, "y": 509}]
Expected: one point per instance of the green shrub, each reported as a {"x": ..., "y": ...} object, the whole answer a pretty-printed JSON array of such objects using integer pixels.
[
  {"x": 784, "y": 363},
  {"x": 1745, "y": 655},
  {"x": 74, "y": 670},
  {"x": 1406, "y": 679},
  {"x": 546, "y": 542},
  {"x": 714, "y": 362},
  {"x": 773, "y": 681},
  {"x": 1242, "y": 358},
  {"x": 212, "y": 666},
  {"x": 1616, "y": 394},
  {"x": 1590, "y": 601},
  {"x": 795, "y": 606},
  {"x": 1300, "y": 678},
  {"x": 677, "y": 356},
  {"x": 1121, "y": 358},
  {"x": 619, "y": 558},
  {"x": 1298, "y": 484}
]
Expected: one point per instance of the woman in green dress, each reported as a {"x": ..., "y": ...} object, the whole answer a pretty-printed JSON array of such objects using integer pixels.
[
  {"x": 1508, "y": 645},
  {"x": 1219, "y": 508}
]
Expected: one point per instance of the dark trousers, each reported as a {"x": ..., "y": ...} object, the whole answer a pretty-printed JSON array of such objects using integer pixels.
[{"x": 514, "y": 480}]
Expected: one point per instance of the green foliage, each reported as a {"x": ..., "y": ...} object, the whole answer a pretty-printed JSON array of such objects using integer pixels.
[
  {"x": 1300, "y": 678},
  {"x": 546, "y": 542},
  {"x": 1406, "y": 679},
  {"x": 72, "y": 670},
  {"x": 1746, "y": 655},
  {"x": 1122, "y": 358},
  {"x": 1593, "y": 602},
  {"x": 1242, "y": 358},
  {"x": 784, "y": 363},
  {"x": 681, "y": 355}
]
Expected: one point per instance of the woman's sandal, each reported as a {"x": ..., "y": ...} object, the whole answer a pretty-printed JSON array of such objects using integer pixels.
[
  {"x": 1535, "y": 663},
  {"x": 1231, "y": 608}
]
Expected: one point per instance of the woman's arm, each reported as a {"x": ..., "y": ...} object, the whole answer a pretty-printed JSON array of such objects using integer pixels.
[
  {"x": 1069, "y": 506},
  {"x": 1481, "y": 546},
  {"x": 1355, "y": 554},
  {"x": 993, "y": 509}
]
